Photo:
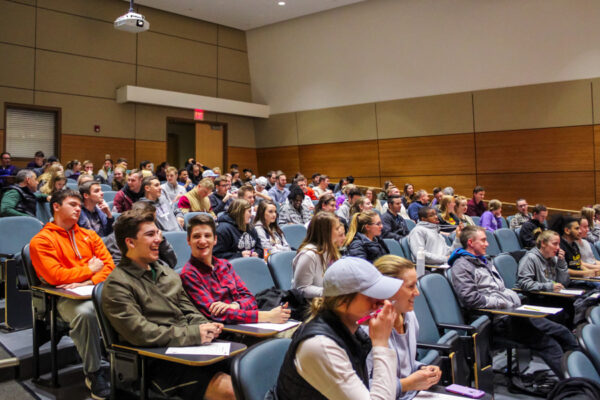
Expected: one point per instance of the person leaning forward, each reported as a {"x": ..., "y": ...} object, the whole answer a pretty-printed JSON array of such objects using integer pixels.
[{"x": 145, "y": 303}]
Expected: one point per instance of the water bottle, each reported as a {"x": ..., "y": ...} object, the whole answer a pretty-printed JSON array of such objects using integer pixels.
[{"x": 420, "y": 262}]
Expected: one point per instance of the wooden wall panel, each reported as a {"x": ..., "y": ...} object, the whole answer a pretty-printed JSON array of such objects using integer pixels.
[
  {"x": 462, "y": 184},
  {"x": 1, "y": 140},
  {"x": 428, "y": 155},
  {"x": 283, "y": 158},
  {"x": 244, "y": 157},
  {"x": 94, "y": 148},
  {"x": 359, "y": 159},
  {"x": 536, "y": 150},
  {"x": 153, "y": 151},
  {"x": 569, "y": 190}
]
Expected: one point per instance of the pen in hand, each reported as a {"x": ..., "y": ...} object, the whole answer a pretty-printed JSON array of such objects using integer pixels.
[{"x": 371, "y": 315}]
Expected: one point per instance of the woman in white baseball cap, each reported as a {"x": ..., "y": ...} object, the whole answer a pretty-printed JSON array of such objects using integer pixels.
[{"x": 327, "y": 356}]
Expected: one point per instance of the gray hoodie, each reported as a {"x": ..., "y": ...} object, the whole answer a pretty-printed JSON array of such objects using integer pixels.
[
  {"x": 539, "y": 273},
  {"x": 428, "y": 236}
]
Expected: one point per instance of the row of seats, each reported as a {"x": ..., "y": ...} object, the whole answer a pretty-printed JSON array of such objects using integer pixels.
[{"x": 585, "y": 363}]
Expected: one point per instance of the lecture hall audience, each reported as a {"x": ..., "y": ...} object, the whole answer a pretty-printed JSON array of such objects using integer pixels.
[{"x": 476, "y": 206}]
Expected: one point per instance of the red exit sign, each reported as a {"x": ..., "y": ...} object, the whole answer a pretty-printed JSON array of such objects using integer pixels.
[{"x": 199, "y": 115}]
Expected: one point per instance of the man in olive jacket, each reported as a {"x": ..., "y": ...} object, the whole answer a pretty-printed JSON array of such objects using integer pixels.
[{"x": 146, "y": 304}]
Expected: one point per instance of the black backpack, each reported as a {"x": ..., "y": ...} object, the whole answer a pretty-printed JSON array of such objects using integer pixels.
[{"x": 575, "y": 389}]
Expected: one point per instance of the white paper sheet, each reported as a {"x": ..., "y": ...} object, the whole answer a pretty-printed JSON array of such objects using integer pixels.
[
  {"x": 273, "y": 327},
  {"x": 423, "y": 395},
  {"x": 576, "y": 292},
  {"x": 213, "y": 349},
  {"x": 547, "y": 310},
  {"x": 595, "y": 295},
  {"x": 82, "y": 290}
]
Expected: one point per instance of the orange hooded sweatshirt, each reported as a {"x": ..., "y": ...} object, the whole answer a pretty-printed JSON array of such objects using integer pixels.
[{"x": 61, "y": 256}]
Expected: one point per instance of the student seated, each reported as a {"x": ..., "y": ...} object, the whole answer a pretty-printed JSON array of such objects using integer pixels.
[
  {"x": 461, "y": 211},
  {"x": 320, "y": 248},
  {"x": 68, "y": 256},
  {"x": 544, "y": 268},
  {"x": 272, "y": 239},
  {"x": 478, "y": 284},
  {"x": 95, "y": 213},
  {"x": 532, "y": 228},
  {"x": 394, "y": 226},
  {"x": 491, "y": 219},
  {"x": 327, "y": 355},
  {"x": 214, "y": 287},
  {"x": 131, "y": 192},
  {"x": 412, "y": 375},
  {"x": 327, "y": 203},
  {"x": 585, "y": 247},
  {"x": 422, "y": 199},
  {"x": 165, "y": 251},
  {"x": 364, "y": 237},
  {"x": 237, "y": 238},
  {"x": 196, "y": 200},
  {"x": 352, "y": 195},
  {"x": 279, "y": 192},
  {"x": 168, "y": 217},
  {"x": 19, "y": 199},
  {"x": 589, "y": 214},
  {"x": 476, "y": 206},
  {"x": 171, "y": 189},
  {"x": 569, "y": 227},
  {"x": 362, "y": 204},
  {"x": 293, "y": 210},
  {"x": 448, "y": 219},
  {"x": 521, "y": 216},
  {"x": 426, "y": 235},
  {"x": 144, "y": 301},
  {"x": 220, "y": 199}
]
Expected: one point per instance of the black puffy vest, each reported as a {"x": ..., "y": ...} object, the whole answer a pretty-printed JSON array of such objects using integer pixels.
[{"x": 291, "y": 386}]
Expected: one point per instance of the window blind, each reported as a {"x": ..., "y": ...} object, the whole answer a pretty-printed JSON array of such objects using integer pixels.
[{"x": 28, "y": 131}]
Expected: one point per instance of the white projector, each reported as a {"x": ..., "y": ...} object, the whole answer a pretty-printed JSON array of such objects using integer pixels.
[{"x": 132, "y": 22}]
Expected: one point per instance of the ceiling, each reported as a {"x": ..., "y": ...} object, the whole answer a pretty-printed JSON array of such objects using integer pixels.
[{"x": 244, "y": 14}]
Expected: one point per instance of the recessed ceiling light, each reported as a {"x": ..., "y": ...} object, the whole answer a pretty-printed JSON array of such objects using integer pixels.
[{"x": 281, "y": 3}]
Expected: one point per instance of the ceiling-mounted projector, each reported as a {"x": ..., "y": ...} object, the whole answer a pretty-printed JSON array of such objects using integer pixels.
[{"x": 132, "y": 21}]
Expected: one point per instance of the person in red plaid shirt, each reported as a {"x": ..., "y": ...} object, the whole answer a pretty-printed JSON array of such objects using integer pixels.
[{"x": 214, "y": 287}]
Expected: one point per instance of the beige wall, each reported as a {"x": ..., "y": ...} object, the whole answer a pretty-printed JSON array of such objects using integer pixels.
[
  {"x": 538, "y": 141},
  {"x": 66, "y": 54}
]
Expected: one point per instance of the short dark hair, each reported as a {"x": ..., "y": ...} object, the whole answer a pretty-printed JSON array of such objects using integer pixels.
[
  {"x": 478, "y": 189},
  {"x": 3, "y": 153},
  {"x": 201, "y": 219},
  {"x": 144, "y": 163},
  {"x": 299, "y": 178},
  {"x": 350, "y": 179},
  {"x": 322, "y": 178},
  {"x": 60, "y": 196},
  {"x": 436, "y": 190},
  {"x": 295, "y": 191},
  {"x": 86, "y": 187},
  {"x": 39, "y": 153},
  {"x": 146, "y": 181},
  {"x": 354, "y": 192},
  {"x": 423, "y": 211},
  {"x": 538, "y": 208},
  {"x": 315, "y": 175},
  {"x": 247, "y": 170},
  {"x": 128, "y": 226},
  {"x": 467, "y": 233},
  {"x": 393, "y": 197},
  {"x": 143, "y": 206}
]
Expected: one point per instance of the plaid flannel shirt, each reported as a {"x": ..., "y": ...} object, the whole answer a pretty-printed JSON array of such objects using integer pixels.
[{"x": 206, "y": 285}]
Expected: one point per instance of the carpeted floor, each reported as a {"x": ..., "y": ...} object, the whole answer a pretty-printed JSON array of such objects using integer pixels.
[{"x": 13, "y": 390}]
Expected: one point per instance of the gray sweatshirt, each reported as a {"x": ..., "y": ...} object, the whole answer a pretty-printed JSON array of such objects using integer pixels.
[
  {"x": 428, "y": 236},
  {"x": 539, "y": 273}
]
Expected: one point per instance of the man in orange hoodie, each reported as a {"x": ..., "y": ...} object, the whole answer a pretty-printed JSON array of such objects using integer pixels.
[{"x": 67, "y": 256}]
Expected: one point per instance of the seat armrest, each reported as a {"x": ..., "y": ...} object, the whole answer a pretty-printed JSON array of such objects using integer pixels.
[{"x": 446, "y": 348}]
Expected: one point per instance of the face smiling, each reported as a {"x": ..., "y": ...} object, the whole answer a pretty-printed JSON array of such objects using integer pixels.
[
  {"x": 143, "y": 249},
  {"x": 201, "y": 242}
]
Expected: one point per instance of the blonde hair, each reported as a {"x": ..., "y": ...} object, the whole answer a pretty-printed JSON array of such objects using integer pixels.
[
  {"x": 393, "y": 266},
  {"x": 321, "y": 304},
  {"x": 589, "y": 214},
  {"x": 494, "y": 205},
  {"x": 356, "y": 207},
  {"x": 319, "y": 234},
  {"x": 544, "y": 237},
  {"x": 459, "y": 200},
  {"x": 207, "y": 183},
  {"x": 375, "y": 200},
  {"x": 51, "y": 171},
  {"x": 359, "y": 221},
  {"x": 444, "y": 207},
  {"x": 48, "y": 187},
  {"x": 173, "y": 170}
]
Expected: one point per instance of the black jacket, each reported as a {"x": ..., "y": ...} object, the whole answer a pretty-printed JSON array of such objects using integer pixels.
[
  {"x": 366, "y": 249},
  {"x": 530, "y": 231},
  {"x": 393, "y": 227},
  {"x": 231, "y": 241}
]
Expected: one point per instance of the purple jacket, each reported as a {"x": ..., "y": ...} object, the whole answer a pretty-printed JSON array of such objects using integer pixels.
[{"x": 490, "y": 222}]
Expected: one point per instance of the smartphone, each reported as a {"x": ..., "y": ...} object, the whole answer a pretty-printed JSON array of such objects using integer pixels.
[{"x": 465, "y": 391}]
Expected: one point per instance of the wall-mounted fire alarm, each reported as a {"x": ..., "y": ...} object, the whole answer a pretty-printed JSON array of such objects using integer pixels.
[{"x": 97, "y": 128}]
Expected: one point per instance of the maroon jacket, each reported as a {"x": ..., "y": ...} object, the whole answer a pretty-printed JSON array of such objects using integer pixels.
[{"x": 475, "y": 210}]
